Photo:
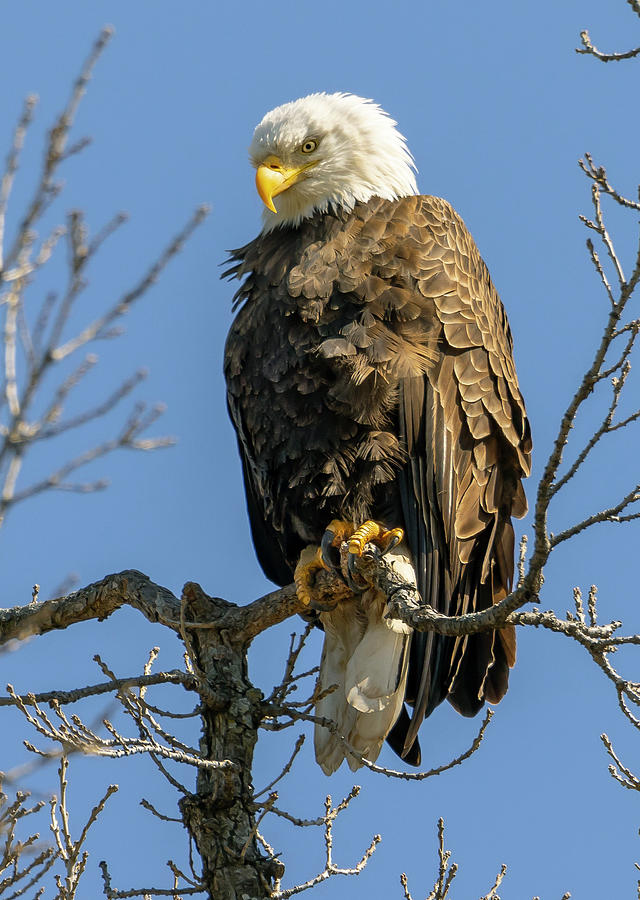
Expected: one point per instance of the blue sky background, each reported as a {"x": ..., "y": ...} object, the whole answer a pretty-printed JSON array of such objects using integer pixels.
[{"x": 497, "y": 108}]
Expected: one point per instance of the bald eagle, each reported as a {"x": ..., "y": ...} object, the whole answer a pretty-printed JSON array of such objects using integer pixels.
[{"x": 370, "y": 379}]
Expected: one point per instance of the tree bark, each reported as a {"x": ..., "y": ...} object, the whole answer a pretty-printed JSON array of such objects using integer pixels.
[{"x": 220, "y": 815}]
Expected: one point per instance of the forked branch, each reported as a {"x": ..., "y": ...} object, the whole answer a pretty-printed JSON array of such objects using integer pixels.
[{"x": 589, "y": 48}]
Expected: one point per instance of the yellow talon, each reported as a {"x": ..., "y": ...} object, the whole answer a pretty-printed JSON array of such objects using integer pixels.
[
  {"x": 368, "y": 531},
  {"x": 376, "y": 533},
  {"x": 309, "y": 563}
]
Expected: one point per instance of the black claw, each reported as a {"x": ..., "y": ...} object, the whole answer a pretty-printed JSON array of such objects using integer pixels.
[
  {"x": 330, "y": 554},
  {"x": 395, "y": 540}
]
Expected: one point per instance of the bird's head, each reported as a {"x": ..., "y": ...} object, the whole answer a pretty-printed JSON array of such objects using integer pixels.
[{"x": 328, "y": 151}]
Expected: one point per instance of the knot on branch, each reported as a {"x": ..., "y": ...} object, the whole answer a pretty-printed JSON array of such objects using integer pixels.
[{"x": 223, "y": 789}]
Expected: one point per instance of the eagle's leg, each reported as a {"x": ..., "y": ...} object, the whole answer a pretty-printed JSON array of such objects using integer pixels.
[{"x": 310, "y": 562}]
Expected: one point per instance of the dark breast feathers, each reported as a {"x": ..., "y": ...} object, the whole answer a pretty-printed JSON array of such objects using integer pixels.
[{"x": 370, "y": 375}]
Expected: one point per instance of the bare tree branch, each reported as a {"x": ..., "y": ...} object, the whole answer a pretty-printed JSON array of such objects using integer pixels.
[
  {"x": 46, "y": 189},
  {"x": 592, "y": 50},
  {"x": 16, "y": 870},
  {"x": 588, "y": 47},
  {"x": 96, "y": 601},
  {"x": 12, "y": 164},
  {"x": 68, "y": 848},
  {"x": 330, "y": 868},
  {"x": 98, "y": 327},
  {"x": 618, "y": 770},
  {"x": 447, "y": 871},
  {"x": 107, "y": 687}
]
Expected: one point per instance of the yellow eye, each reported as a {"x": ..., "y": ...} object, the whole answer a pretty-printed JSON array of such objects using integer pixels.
[{"x": 309, "y": 146}]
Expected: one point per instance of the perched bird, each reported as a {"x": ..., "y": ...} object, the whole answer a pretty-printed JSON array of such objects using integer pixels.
[{"x": 372, "y": 386}]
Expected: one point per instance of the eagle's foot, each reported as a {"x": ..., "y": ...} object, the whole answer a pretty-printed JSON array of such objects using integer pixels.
[
  {"x": 341, "y": 546},
  {"x": 374, "y": 533},
  {"x": 310, "y": 562},
  {"x": 341, "y": 536}
]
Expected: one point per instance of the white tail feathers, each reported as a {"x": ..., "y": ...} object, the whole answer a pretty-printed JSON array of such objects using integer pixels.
[{"x": 366, "y": 656}]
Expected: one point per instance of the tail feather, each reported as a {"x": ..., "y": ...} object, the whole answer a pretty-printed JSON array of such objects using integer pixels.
[{"x": 367, "y": 657}]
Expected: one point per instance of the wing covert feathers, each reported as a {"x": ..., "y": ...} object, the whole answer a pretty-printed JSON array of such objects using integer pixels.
[
  {"x": 370, "y": 375},
  {"x": 469, "y": 446}
]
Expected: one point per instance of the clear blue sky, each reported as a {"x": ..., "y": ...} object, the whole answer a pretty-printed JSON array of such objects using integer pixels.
[{"x": 497, "y": 108}]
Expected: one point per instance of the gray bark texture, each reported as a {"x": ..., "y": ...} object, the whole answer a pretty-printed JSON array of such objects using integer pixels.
[{"x": 220, "y": 815}]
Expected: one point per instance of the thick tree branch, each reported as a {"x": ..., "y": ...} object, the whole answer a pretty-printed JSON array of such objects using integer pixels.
[{"x": 96, "y": 601}]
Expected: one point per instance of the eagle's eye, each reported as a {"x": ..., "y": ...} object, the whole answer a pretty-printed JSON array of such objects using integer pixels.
[{"x": 309, "y": 146}]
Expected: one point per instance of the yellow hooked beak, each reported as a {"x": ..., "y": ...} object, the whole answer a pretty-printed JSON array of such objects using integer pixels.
[{"x": 272, "y": 178}]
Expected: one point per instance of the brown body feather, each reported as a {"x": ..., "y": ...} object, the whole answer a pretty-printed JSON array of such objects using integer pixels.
[{"x": 370, "y": 375}]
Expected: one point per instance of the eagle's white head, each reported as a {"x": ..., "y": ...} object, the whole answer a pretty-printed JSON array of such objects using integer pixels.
[{"x": 328, "y": 151}]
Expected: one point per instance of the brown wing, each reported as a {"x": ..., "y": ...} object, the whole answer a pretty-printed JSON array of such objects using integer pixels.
[{"x": 469, "y": 445}]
